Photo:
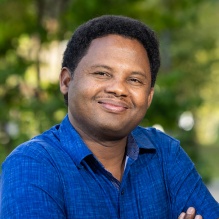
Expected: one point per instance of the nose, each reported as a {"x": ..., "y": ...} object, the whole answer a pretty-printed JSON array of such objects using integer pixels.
[{"x": 117, "y": 87}]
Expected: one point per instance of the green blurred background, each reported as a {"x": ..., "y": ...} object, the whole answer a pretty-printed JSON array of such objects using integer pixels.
[{"x": 33, "y": 35}]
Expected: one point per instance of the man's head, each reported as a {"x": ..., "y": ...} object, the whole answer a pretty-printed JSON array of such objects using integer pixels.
[
  {"x": 109, "y": 24},
  {"x": 110, "y": 91},
  {"x": 108, "y": 74}
]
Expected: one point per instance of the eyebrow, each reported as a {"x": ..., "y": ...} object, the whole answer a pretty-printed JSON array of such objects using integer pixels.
[
  {"x": 101, "y": 66},
  {"x": 139, "y": 73}
]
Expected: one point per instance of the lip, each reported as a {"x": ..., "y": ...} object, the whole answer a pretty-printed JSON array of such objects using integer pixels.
[{"x": 114, "y": 106}]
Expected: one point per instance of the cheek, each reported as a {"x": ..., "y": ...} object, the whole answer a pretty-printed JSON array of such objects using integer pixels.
[
  {"x": 81, "y": 94},
  {"x": 78, "y": 87},
  {"x": 141, "y": 99}
]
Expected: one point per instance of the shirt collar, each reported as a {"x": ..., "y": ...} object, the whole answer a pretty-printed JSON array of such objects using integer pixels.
[
  {"x": 143, "y": 139},
  {"x": 73, "y": 144}
]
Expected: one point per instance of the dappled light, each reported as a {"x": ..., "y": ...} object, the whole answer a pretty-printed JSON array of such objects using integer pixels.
[
  {"x": 186, "y": 97},
  {"x": 186, "y": 121}
]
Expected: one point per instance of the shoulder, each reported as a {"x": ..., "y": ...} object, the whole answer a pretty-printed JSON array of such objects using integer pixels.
[
  {"x": 37, "y": 148},
  {"x": 168, "y": 149},
  {"x": 155, "y": 137}
]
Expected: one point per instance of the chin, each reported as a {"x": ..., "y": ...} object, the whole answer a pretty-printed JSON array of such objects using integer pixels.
[{"x": 115, "y": 132}]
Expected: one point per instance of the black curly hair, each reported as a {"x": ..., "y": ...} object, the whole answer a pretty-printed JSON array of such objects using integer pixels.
[{"x": 80, "y": 41}]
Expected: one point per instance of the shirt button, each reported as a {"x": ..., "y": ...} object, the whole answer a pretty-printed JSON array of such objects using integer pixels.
[{"x": 122, "y": 192}]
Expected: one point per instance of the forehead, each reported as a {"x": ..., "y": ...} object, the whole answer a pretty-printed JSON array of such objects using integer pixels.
[
  {"x": 118, "y": 53},
  {"x": 113, "y": 43},
  {"x": 109, "y": 38}
]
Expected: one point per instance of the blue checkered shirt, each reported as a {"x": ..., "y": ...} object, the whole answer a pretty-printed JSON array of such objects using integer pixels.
[{"x": 56, "y": 176}]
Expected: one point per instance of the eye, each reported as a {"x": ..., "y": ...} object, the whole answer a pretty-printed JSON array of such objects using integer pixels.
[
  {"x": 136, "y": 81},
  {"x": 101, "y": 74}
]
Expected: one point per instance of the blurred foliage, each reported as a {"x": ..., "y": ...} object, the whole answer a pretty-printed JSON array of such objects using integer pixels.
[{"x": 29, "y": 105}]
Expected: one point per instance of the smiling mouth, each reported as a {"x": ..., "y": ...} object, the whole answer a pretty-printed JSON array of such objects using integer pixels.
[{"x": 113, "y": 106}]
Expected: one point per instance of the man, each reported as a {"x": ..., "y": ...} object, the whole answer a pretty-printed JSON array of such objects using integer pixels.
[{"x": 98, "y": 163}]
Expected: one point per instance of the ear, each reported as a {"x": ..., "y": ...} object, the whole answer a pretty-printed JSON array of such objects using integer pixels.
[
  {"x": 150, "y": 96},
  {"x": 64, "y": 80}
]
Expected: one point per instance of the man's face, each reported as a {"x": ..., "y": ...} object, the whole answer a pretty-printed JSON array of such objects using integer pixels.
[{"x": 110, "y": 91}]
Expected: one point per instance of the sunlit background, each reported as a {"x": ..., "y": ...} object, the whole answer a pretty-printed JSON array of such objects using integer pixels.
[{"x": 34, "y": 33}]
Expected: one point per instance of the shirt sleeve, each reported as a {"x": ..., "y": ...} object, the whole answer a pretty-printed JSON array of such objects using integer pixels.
[
  {"x": 30, "y": 186},
  {"x": 186, "y": 186}
]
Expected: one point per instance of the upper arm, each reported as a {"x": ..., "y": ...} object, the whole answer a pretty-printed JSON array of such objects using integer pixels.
[
  {"x": 30, "y": 188},
  {"x": 186, "y": 186}
]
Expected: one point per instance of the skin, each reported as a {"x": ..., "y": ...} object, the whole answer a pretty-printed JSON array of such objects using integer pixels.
[
  {"x": 108, "y": 95},
  {"x": 189, "y": 214}
]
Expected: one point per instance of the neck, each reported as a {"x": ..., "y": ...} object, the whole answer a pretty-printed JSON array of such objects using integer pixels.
[
  {"x": 110, "y": 153},
  {"x": 112, "y": 157}
]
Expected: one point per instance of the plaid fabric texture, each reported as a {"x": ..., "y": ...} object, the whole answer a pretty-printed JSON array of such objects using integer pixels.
[{"x": 56, "y": 176}]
